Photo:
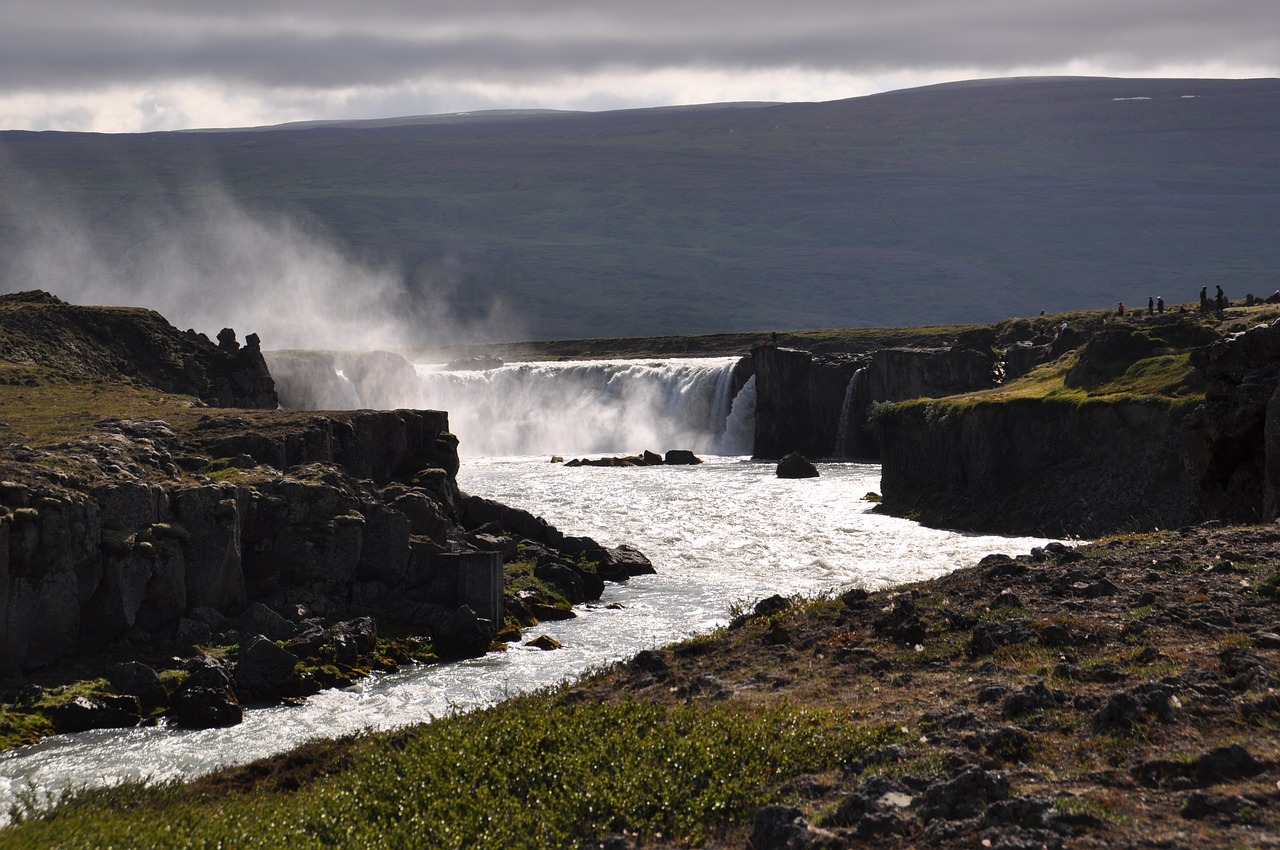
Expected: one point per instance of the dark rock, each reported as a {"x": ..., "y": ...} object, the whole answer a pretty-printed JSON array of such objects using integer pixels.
[
  {"x": 1006, "y": 743},
  {"x": 459, "y": 633},
  {"x": 1006, "y": 599},
  {"x": 681, "y": 457},
  {"x": 206, "y": 708},
  {"x": 1119, "y": 714},
  {"x": 81, "y": 713},
  {"x": 965, "y": 795},
  {"x": 706, "y": 686},
  {"x": 544, "y": 642},
  {"x": 1227, "y": 763},
  {"x": 261, "y": 620},
  {"x": 136, "y": 679},
  {"x": 619, "y": 563},
  {"x": 563, "y": 579},
  {"x": 651, "y": 661},
  {"x": 264, "y": 671},
  {"x": 771, "y": 605},
  {"x": 794, "y": 465},
  {"x": 854, "y": 596},
  {"x": 784, "y": 828},
  {"x": 1230, "y": 808},
  {"x": 988, "y": 637},
  {"x": 1034, "y": 697},
  {"x": 363, "y": 632},
  {"x": 206, "y": 672}
]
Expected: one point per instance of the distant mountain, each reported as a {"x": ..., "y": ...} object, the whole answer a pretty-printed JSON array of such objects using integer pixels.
[{"x": 966, "y": 202}]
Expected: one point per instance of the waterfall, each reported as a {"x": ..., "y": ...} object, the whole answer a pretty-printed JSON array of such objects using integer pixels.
[
  {"x": 846, "y": 408},
  {"x": 740, "y": 424},
  {"x": 571, "y": 408}
]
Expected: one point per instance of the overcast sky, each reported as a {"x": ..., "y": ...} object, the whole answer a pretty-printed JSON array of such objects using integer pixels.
[{"x": 134, "y": 65}]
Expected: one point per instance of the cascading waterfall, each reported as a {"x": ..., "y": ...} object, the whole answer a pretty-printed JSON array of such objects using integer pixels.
[
  {"x": 571, "y": 408},
  {"x": 846, "y": 408},
  {"x": 587, "y": 407}
]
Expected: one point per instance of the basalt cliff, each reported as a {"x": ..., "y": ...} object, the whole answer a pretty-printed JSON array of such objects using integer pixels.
[
  {"x": 153, "y": 500},
  {"x": 1074, "y": 426}
]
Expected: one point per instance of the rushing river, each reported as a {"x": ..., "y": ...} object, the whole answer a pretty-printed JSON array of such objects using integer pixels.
[{"x": 728, "y": 531}]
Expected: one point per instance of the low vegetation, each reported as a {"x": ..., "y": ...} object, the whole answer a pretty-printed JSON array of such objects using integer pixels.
[{"x": 534, "y": 772}]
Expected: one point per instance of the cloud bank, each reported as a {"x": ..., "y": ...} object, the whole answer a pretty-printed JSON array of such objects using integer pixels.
[{"x": 144, "y": 64}]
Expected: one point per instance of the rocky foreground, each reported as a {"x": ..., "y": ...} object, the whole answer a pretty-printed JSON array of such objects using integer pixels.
[{"x": 1122, "y": 694}]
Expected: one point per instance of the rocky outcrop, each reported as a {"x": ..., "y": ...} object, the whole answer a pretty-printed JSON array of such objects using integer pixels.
[
  {"x": 348, "y": 515},
  {"x": 134, "y": 345},
  {"x": 1050, "y": 466},
  {"x": 897, "y": 374},
  {"x": 798, "y": 401},
  {"x": 795, "y": 465},
  {"x": 819, "y": 405},
  {"x": 1038, "y": 466},
  {"x": 1234, "y": 437}
]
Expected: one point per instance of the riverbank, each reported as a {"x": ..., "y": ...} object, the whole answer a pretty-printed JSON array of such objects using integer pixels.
[{"x": 1120, "y": 694}]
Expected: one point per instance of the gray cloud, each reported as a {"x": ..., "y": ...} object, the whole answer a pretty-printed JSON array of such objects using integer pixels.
[{"x": 66, "y": 46}]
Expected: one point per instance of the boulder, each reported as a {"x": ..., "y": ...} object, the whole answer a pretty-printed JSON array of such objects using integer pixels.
[
  {"x": 133, "y": 678},
  {"x": 206, "y": 708},
  {"x": 563, "y": 579},
  {"x": 264, "y": 671},
  {"x": 81, "y": 713},
  {"x": 681, "y": 457},
  {"x": 261, "y": 620},
  {"x": 794, "y": 465}
]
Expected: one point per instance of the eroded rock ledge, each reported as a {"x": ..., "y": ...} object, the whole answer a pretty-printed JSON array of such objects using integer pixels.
[{"x": 155, "y": 538}]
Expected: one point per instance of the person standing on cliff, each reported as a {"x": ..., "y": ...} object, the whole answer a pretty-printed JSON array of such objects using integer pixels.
[
  {"x": 1221, "y": 300},
  {"x": 1204, "y": 299},
  {"x": 1160, "y": 304},
  {"x": 1151, "y": 306},
  {"x": 1120, "y": 310}
]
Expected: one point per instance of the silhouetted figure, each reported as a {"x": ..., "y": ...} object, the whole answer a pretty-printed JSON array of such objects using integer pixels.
[
  {"x": 1204, "y": 299},
  {"x": 773, "y": 337},
  {"x": 1151, "y": 306},
  {"x": 1120, "y": 310},
  {"x": 1221, "y": 300},
  {"x": 1160, "y": 304}
]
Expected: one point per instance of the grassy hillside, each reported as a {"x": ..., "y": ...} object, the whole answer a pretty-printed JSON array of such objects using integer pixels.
[{"x": 966, "y": 202}]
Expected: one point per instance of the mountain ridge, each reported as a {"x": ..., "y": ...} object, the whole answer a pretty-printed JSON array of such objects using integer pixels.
[{"x": 962, "y": 202}]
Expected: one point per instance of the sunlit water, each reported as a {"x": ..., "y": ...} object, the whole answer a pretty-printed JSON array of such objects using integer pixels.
[{"x": 728, "y": 531}]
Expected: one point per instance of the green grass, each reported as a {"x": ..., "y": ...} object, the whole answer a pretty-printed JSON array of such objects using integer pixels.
[{"x": 530, "y": 773}]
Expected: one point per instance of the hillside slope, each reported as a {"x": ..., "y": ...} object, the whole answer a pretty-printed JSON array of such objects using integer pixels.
[{"x": 955, "y": 203}]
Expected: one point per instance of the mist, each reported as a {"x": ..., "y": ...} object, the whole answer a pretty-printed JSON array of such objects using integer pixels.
[{"x": 207, "y": 261}]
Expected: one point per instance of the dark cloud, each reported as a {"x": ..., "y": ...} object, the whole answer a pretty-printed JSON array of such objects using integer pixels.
[{"x": 327, "y": 45}]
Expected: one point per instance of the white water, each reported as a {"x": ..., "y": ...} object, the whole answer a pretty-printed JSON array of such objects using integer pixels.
[
  {"x": 846, "y": 407},
  {"x": 724, "y": 532},
  {"x": 586, "y": 407}
]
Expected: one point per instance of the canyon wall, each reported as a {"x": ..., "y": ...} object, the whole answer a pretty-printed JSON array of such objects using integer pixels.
[
  {"x": 1036, "y": 466},
  {"x": 811, "y": 403},
  {"x": 1070, "y": 467},
  {"x": 340, "y": 514}
]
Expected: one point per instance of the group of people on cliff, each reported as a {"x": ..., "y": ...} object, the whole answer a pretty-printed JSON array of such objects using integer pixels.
[{"x": 1220, "y": 302}]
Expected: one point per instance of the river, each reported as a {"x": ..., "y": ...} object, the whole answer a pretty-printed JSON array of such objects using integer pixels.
[{"x": 721, "y": 534}]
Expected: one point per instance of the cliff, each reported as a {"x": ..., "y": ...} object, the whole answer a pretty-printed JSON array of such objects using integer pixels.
[
  {"x": 1037, "y": 466},
  {"x": 818, "y": 404},
  {"x": 1154, "y": 422},
  {"x": 136, "y": 518},
  {"x": 158, "y": 523},
  {"x": 132, "y": 345}
]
